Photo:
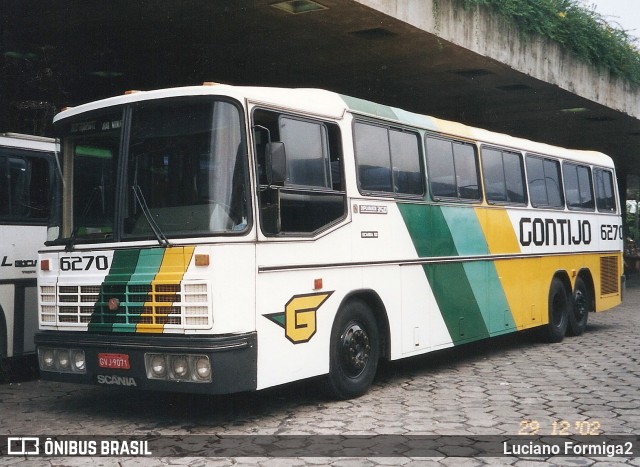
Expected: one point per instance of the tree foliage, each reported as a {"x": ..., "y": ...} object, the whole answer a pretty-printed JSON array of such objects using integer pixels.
[{"x": 580, "y": 29}]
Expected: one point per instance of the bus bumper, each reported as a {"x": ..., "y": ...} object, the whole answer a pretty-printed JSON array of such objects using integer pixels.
[{"x": 130, "y": 360}]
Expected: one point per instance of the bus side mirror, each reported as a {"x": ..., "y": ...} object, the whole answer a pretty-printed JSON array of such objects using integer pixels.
[{"x": 276, "y": 161}]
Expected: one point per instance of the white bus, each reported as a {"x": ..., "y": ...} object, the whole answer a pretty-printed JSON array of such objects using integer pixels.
[
  {"x": 219, "y": 239},
  {"x": 26, "y": 174}
]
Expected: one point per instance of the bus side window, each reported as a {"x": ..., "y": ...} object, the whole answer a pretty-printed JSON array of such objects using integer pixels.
[
  {"x": 543, "y": 176},
  {"x": 307, "y": 152},
  {"x": 389, "y": 160},
  {"x": 452, "y": 169},
  {"x": 503, "y": 176},
  {"x": 313, "y": 195},
  {"x": 605, "y": 194},
  {"x": 373, "y": 157},
  {"x": 24, "y": 188},
  {"x": 578, "y": 188}
]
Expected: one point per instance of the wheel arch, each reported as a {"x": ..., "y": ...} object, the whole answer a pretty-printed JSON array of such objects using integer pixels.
[
  {"x": 587, "y": 277},
  {"x": 377, "y": 307},
  {"x": 4, "y": 346},
  {"x": 564, "y": 278}
]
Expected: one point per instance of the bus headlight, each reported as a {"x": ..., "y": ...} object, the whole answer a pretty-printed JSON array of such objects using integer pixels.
[
  {"x": 203, "y": 368},
  {"x": 78, "y": 360},
  {"x": 46, "y": 359},
  {"x": 158, "y": 365},
  {"x": 62, "y": 359},
  {"x": 178, "y": 367}
]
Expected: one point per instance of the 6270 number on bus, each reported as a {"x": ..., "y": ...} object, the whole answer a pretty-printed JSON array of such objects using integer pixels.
[
  {"x": 611, "y": 232},
  {"x": 84, "y": 263}
]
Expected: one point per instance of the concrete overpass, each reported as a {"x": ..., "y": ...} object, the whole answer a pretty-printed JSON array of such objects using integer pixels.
[{"x": 429, "y": 56}]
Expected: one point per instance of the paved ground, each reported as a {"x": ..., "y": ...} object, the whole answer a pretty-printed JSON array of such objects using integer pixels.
[{"x": 499, "y": 387}]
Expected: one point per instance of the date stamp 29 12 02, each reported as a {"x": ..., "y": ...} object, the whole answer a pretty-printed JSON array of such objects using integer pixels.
[{"x": 561, "y": 428}]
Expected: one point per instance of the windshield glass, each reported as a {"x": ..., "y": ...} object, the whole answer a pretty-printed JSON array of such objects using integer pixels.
[
  {"x": 184, "y": 172},
  {"x": 90, "y": 155}
]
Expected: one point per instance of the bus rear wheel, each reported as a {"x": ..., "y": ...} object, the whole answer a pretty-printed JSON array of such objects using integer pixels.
[
  {"x": 354, "y": 351},
  {"x": 559, "y": 309},
  {"x": 5, "y": 370},
  {"x": 582, "y": 305}
]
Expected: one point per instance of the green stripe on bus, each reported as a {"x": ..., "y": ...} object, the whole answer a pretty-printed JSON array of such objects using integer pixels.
[
  {"x": 449, "y": 282},
  {"x": 490, "y": 297},
  {"x": 456, "y": 301},
  {"x": 421, "y": 121},
  {"x": 148, "y": 266},
  {"x": 428, "y": 229},
  {"x": 146, "y": 270},
  {"x": 469, "y": 240},
  {"x": 371, "y": 108},
  {"x": 123, "y": 265},
  {"x": 467, "y": 235}
]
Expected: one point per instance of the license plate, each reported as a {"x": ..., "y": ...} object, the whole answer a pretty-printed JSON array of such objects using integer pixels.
[{"x": 118, "y": 361}]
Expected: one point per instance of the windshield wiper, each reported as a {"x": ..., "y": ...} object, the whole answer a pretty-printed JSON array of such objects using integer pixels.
[
  {"x": 142, "y": 202},
  {"x": 74, "y": 233}
]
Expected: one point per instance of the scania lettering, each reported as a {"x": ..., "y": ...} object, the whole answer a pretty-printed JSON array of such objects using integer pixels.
[
  {"x": 217, "y": 239},
  {"x": 117, "y": 380}
]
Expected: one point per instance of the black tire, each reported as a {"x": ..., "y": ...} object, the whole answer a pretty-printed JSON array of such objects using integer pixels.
[
  {"x": 5, "y": 366},
  {"x": 560, "y": 304},
  {"x": 5, "y": 370},
  {"x": 582, "y": 306},
  {"x": 354, "y": 351}
]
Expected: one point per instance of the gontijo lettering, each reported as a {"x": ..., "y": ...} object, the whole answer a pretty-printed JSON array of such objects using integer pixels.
[{"x": 554, "y": 232}]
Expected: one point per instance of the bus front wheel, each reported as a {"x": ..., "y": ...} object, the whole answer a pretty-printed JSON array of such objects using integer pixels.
[
  {"x": 559, "y": 309},
  {"x": 582, "y": 305},
  {"x": 354, "y": 351}
]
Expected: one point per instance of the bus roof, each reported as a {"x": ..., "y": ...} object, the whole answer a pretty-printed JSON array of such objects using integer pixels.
[
  {"x": 20, "y": 141},
  {"x": 333, "y": 105}
]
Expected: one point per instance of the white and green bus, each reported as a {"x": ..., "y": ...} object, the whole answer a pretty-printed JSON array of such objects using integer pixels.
[
  {"x": 219, "y": 239},
  {"x": 26, "y": 175}
]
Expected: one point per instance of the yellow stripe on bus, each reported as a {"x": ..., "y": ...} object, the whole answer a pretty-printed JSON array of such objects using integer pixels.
[
  {"x": 498, "y": 231},
  {"x": 174, "y": 264},
  {"x": 522, "y": 280}
]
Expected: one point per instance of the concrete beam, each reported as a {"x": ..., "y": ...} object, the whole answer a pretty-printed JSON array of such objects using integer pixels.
[{"x": 488, "y": 34}]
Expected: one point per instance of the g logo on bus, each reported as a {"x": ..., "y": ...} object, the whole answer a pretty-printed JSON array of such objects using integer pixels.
[{"x": 299, "y": 317}]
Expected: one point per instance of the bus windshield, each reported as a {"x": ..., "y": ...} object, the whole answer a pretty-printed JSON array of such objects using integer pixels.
[{"x": 182, "y": 172}]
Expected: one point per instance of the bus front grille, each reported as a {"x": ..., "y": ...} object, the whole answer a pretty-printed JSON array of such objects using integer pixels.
[{"x": 150, "y": 307}]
